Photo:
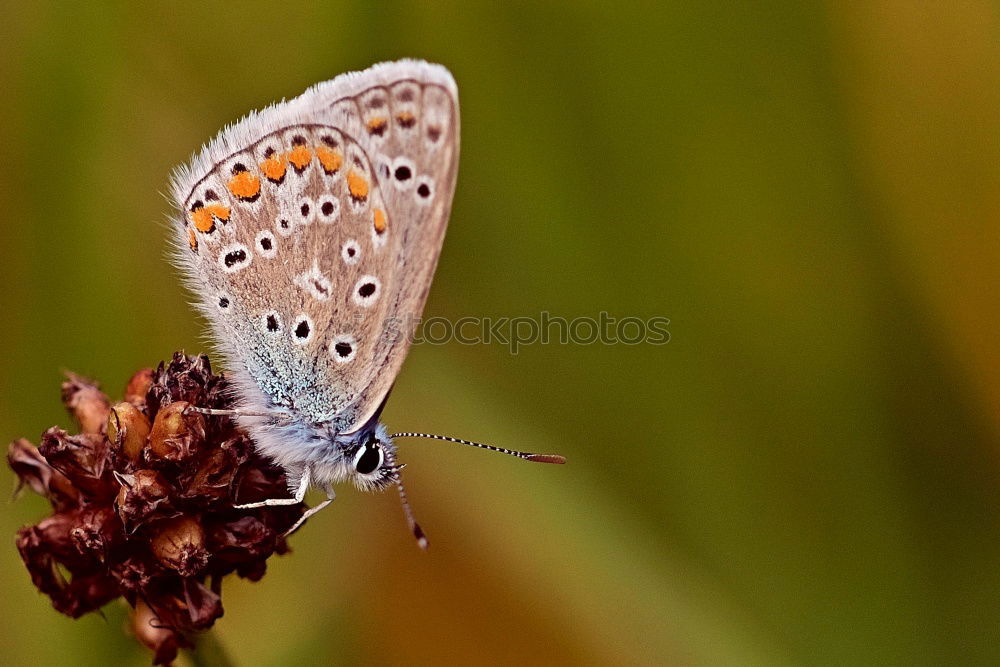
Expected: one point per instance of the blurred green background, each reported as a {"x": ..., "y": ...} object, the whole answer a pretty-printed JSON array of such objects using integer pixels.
[{"x": 806, "y": 474}]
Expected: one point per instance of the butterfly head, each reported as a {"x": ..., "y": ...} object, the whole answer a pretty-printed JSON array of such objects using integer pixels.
[
  {"x": 373, "y": 467},
  {"x": 372, "y": 461}
]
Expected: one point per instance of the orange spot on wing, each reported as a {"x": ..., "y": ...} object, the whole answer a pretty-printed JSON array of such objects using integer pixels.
[
  {"x": 244, "y": 185},
  {"x": 406, "y": 119},
  {"x": 219, "y": 211},
  {"x": 274, "y": 167},
  {"x": 357, "y": 184},
  {"x": 204, "y": 217},
  {"x": 330, "y": 160},
  {"x": 379, "y": 220},
  {"x": 192, "y": 239},
  {"x": 300, "y": 157},
  {"x": 376, "y": 125}
]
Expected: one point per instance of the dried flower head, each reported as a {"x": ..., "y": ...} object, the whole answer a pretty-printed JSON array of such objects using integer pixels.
[{"x": 143, "y": 503}]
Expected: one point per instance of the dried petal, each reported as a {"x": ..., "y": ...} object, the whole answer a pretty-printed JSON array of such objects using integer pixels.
[
  {"x": 34, "y": 471},
  {"x": 241, "y": 541},
  {"x": 185, "y": 604},
  {"x": 216, "y": 469},
  {"x": 85, "y": 593},
  {"x": 203, "y": 604},
  {"x": 186, "y": 379},
  {"x": 46, "y": 544},
  {"x": 261, "y": 482},
  {"x": 97, "y": 531},
  {"x": 143, "y": 495},
  {"x": 86, "y": 403},
  {"x": 48, "y": 550},
  {"x": 135, "y": 575},
  {"x": 83, "y": 459},
  {"x": 138, "y": 387},
  {"x": 149, "y": 630}
]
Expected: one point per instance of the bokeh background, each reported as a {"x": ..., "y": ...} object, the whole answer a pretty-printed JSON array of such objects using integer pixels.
[{"x": 806, "y": 474}]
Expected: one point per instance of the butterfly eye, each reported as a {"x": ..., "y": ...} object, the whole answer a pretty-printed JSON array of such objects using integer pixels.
[{"x": 368, "y": 459}]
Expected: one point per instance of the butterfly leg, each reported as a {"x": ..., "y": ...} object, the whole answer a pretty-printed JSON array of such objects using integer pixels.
[
  {"x": 300, "y": 495},
  {"x": 330, "y": 495},
  {"x": 217, "y": 412},
  {"x": 273, "y": 419}
]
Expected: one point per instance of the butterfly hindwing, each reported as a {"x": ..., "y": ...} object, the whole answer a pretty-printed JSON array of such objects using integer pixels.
[{"x": 311, "y": 232}]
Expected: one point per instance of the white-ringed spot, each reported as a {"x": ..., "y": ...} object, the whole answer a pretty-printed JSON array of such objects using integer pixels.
[
  {"x": 350, "y": 252},
  {"x": 403, "y": 173},
  {"x": 329, "y": 209},
  {"x": 302, "y": 330},
  {"x": 305, "y": 209},
  {"x": 234, "y": 257},
  {"x": 424, "y": 191},
  {"x": 343, "y": 348},
  {"x": 285, "y": 225},
  {"x": 266, "y": 244},
  {"x": 366, "y": 291}
]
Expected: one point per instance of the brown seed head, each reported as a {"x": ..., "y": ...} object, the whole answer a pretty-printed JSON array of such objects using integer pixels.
[{"x": 151, "y": 518}]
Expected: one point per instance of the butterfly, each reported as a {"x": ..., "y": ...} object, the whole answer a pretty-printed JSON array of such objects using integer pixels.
[{"x": 309, "y": 233}]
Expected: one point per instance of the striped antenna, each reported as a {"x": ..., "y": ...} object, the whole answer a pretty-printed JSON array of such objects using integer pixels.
[
  {"x": 415, "y": 528},
  {"x": 527, "y": 456}
]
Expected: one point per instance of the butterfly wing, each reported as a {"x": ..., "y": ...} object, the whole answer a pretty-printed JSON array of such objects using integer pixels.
[{"x": 310, "y": 234}]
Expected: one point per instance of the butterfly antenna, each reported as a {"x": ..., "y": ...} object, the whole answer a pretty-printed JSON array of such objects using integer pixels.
[
  {"x": 415, "y": 528},
  {"x": 527, "y": 456}
]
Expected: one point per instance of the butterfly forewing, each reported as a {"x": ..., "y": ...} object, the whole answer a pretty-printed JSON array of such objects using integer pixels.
[{"x": 311, "y": 232}]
